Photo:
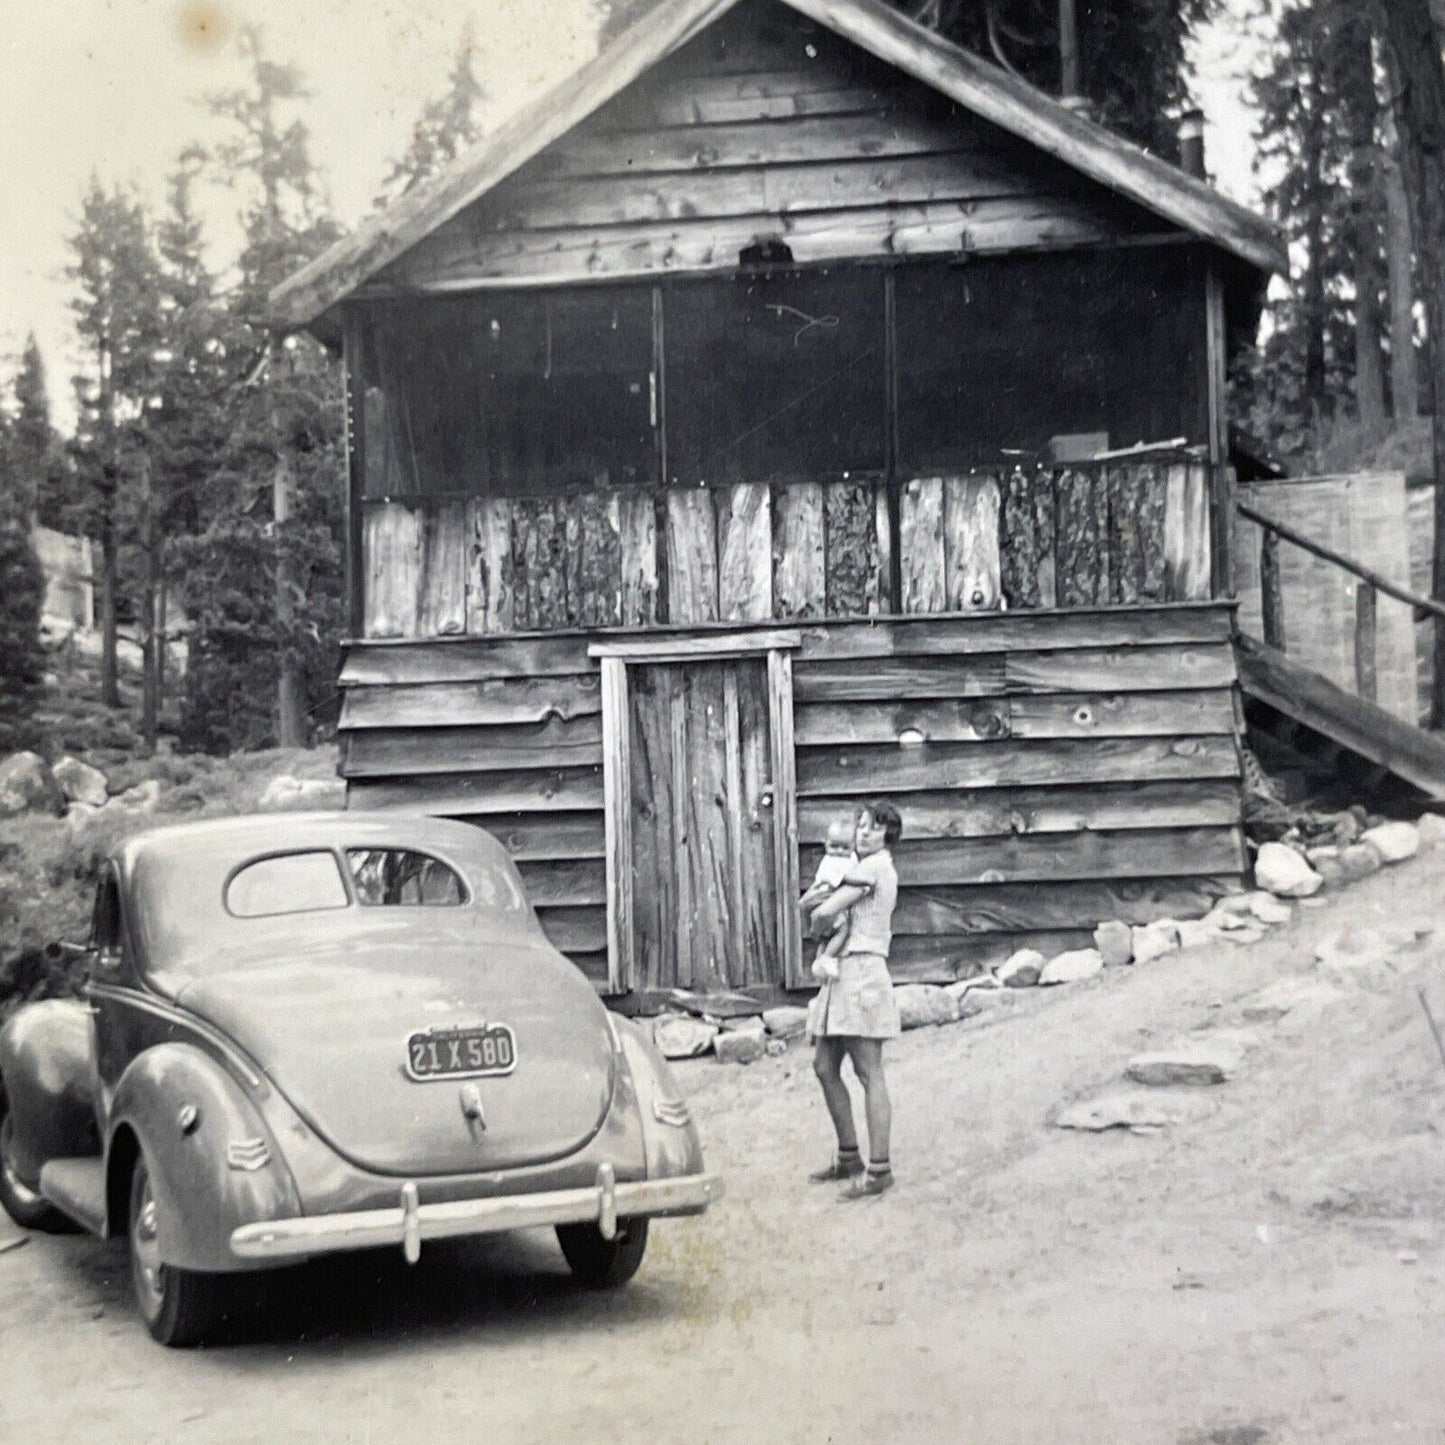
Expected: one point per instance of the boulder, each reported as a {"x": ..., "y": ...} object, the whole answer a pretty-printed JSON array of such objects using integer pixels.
[
  {"x": 1021, "y": 969},
  {"x": 1142, "y": 1113},
  {"x": 1331, "y": 872},
  {"x": 1197, "y": 1063},
  {"x": 742, "y": 1046},
  {"x": 143, "y": 797},
  {"x": 287, "y": 793},
  {"x": 1325, "y": 853},
  {"x": 1431, "y": 829},
  {"x": 1154, "y": 940},
  {"x": 1284, "y": 872},
  {"x": 1235, "y": 903},
  {"x": 28, "y": 786},
  {"x": 1269, "y": 909},
  {"x": 1071, "y": 967},
  {"x": 1252, "y": 932},
  {"x": 748, "y": 1022},
  {"x": 1394, "y": 841},
  {"x": 966, "y": 996},
  {"x": 923, "y": 1004},
  {"x": 1359, "y": 860},
  {"x": 773, "y": 1047},
  {"x": 81, "y": 783},
  {"x": 1197, "y": 932},
  {"x": 1115, "y": 942},
  {"x": 679, "y": 1037},
  {"x": 786, "y": 1021}
]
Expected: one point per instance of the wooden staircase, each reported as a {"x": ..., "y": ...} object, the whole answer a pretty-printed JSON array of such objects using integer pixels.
[{"x": 1295, "y": 708}]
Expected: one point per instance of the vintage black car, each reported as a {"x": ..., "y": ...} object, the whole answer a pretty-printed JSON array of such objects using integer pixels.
[{"x": 326, "y": 1032}]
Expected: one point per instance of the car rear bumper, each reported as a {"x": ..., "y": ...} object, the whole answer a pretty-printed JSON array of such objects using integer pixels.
[{"x": 410, "y": 1222}]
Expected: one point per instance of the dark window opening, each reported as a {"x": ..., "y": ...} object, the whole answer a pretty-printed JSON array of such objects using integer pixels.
[
  {"x": 401, "y": 877},
  {"x": 776, "y": 377}
]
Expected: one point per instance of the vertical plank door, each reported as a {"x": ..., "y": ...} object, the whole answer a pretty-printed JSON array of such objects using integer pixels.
[{"x": 705, "y": 866}]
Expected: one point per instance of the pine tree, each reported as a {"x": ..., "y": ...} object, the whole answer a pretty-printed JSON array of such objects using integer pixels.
[
  {"x": 117, "y": 312},
  {"x": 447, "y": 126},
  {"x": 22, "y": 594},
  {"x": 32, "y": 438},
  {"x": 264, "y": 578}
]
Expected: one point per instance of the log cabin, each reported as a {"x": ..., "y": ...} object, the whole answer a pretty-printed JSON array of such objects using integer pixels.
[{"x": 750, "y": 427}]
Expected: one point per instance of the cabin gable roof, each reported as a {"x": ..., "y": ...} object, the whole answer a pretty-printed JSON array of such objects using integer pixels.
[{"x": 1074, "y": 143}]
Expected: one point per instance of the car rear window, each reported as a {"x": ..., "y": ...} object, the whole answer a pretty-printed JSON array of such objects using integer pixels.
[
  {"x": 287, "y": 883},
  {"x": 402, "y": 876}
]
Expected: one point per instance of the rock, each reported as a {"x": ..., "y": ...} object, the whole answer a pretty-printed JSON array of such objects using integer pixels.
[
  {"x": 1359, "y": 860},
  {"x": 1268, "y": 909},
  {"x": 1252, "y": 932},
  {"x": 287, "y": 792},
  {"x": 1115, "y": 942},
  {"x": 967, "y": 996},
  {"x": 1197, "y": 932},
  {"x": 78, "y": 816},
  {"x": 1226, "y": 919},
  {"x": 1154, "y": 940},
  {"x": 1139, "y": 1112},
  {"x": 775, "y": 1046},
  {"x": 1288, "y": 995},
  {"x": 1284, "y": 872},
  {"x": 742, "y": 1046},
  {"x": 1326, "y": 853},
  {"x": 786, "y": 1021},
  {"x": 1021, "y": 969},
  {"x": 679, "y": 1037},
  {"x": 1071, "y": 967},
  {"x": 1431, "y": 829},
  {"x": 1198, "y": 1063},
  {"x": 81, "y": 783},
  {"x": 732, "y": 1025},
  {"x": 1331, "y": 872},
  {"x": 1235, "y": 903},
  {"x": 143, "y": 797},
  {"x": 28, "y": 786},
  {"x": 1394, "y": 841},
  {"x": 923, "y": 1004}
]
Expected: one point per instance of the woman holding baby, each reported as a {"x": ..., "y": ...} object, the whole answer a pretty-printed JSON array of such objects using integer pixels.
[{"x": 854, "y": 1012}]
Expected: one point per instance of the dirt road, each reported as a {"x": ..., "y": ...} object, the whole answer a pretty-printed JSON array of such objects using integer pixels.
[{"x": 1270, "y": 1270}]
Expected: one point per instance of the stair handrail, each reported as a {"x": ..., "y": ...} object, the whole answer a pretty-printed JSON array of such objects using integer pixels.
[{"x": 1365, "y": 574}]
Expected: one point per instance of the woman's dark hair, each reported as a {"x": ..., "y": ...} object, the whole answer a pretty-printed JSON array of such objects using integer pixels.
[{"x": 886, "y": 816}]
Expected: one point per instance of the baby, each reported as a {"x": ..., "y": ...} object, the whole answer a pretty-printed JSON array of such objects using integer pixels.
[{"x": 838, "y": 859}]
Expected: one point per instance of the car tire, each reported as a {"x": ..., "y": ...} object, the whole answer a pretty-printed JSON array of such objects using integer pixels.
[
  {"x": 180, "y": 1307},
  {"x": 24, "y": 1205},
  {"x": 603, "y": 1263}
]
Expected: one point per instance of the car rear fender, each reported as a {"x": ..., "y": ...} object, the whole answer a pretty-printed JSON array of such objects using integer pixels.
[
  {"x": 47, "y": 1078},
  {"x": 213, "y": 1163},
  {"x": 673, "y": 1148}
]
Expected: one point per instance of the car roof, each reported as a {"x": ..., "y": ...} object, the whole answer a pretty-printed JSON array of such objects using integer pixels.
[{"x": 246, "y": 835}]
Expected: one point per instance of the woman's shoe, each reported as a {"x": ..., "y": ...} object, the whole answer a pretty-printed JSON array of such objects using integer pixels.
[
  {"x": 869, "y": 1186},
  {"x": 837, "y": 1171}
]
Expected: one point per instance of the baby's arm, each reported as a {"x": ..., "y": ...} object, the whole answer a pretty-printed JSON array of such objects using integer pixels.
[{"x": 817, "y": 891}]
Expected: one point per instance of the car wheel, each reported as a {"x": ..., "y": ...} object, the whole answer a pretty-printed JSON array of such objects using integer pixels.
[
  {"x": 603, "y": 1263},
  {"x": 179, "y": 1306},
  {"x": 24, "y": 1205}
]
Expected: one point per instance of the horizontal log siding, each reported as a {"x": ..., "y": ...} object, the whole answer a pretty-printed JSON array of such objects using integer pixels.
[
  {"x": 1052, "y": 769},
  {"x": 1122, "y": 532},
  {"x": 842, "y": 156}
]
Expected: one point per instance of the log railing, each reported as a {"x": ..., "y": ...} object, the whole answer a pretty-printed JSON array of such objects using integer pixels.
[{"x": 1369, "y": 584}]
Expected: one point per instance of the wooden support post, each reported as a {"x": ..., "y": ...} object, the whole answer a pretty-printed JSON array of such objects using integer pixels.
[
  {"x": 353, "y": 413},
  {"x": 785, "y": 816},
  {"x": 617, "y": 822},
  {"x": 1222, "y": 480},
  {"x": 1365, "y": 630},
  {"x": 1271, "y": 593}
]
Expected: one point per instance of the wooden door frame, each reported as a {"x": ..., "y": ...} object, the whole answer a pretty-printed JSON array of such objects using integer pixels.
[{"x": 777, "y": 647}]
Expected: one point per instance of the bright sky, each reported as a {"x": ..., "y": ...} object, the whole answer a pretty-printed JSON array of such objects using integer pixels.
[{"x": 115, "y": 87}]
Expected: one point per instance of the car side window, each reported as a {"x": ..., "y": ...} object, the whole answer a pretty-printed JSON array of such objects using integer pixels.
[
  {"x": 402, "y": 876},
  {"x": 287, "y": 883}
]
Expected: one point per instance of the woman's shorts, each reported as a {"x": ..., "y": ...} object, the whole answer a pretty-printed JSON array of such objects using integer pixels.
[{"x": 858, "y": 1003}]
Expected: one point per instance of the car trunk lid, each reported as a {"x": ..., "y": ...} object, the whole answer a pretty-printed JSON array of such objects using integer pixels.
[{"x": 337, "y": 1033}]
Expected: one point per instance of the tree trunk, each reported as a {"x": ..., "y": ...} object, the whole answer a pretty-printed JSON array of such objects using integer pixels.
[
  {"x": 1312, "y": 283},
  {"x": 290, "y": 720},
  {"x": 1420, "y": 119},
  {"x": 150, "y": 660},
  {"x": 109, "y": 664},
  {"x": 1399, "y": 264},
  {"x": 1365, "y": 188}
]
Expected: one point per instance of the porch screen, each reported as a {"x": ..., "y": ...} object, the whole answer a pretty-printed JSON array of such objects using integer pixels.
[
  {"x": 775, "y": 377},
  {"x": 510, "y": 395},
  {"x": 997, "y": 355}
]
